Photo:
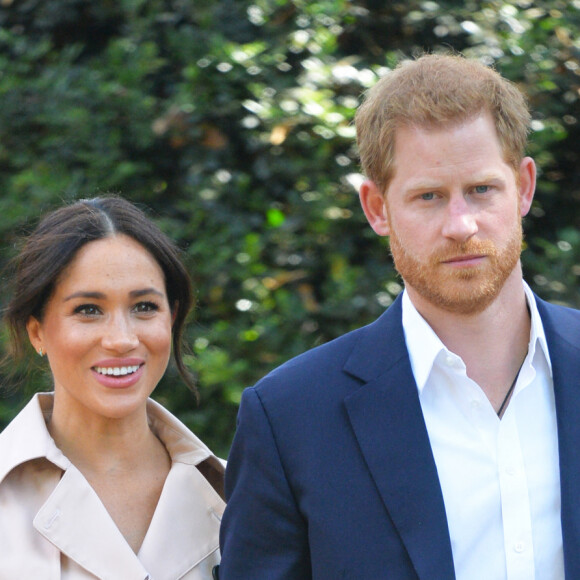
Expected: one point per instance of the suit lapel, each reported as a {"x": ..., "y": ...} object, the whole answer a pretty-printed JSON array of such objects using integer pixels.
[
  {"x": 562, "y": 329},
  {"x": 387, "y": 421}
]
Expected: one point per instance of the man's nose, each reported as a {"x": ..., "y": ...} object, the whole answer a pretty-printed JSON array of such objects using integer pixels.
[{"x": 460, "y": 220}]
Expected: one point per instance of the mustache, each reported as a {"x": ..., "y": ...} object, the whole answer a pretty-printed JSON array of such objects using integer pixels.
[{"x": 454, "y": 250}]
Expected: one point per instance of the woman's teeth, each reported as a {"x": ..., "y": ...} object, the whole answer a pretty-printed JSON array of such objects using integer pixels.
[{"x": 117, "y": 371}]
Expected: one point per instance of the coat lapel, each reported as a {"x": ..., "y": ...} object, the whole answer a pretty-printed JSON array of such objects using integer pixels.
[
  {"x": 562, "y": 329},
  {"x": 386, "y": 418},
  {"x": 76, "y": 522},
  {"x": 174, "y": 544}
]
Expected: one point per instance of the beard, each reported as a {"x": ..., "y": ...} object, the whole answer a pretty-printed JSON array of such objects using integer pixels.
[{"x": 466, "y": 290}]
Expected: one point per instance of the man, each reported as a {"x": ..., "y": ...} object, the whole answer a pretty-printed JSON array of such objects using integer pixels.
[{"x": 441, "y": 441}]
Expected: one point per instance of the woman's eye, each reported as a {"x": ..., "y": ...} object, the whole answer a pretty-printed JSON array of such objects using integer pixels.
[
  {"x": 481, "y": 188},
  {"x": 428, "y": 196},
  {"x": 87, "y": 310},
  {"x": 146, "y": 307}
]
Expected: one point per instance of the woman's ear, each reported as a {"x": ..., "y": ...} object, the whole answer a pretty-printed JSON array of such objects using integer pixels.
[
  {"x": 34, "y": 329},
  {"x": 374, "y": 206}
]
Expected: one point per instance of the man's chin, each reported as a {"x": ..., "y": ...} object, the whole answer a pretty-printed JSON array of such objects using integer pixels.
[
  {"x": 465, "y": 294},
  {"x": 464, "y": 305}
]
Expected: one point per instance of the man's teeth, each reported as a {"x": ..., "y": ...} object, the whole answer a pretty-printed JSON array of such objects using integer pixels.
[{"x": 117, "y": 371}]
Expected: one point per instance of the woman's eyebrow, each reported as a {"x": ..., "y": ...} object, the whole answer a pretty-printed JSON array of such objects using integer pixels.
[{"x": 102, "y": 296}]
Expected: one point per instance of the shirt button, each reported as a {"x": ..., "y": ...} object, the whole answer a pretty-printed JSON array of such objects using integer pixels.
[
  {"x": 519, "y": 547},
  {"x": 475, "y": 403},
  {"x": 450, "y": 361}
]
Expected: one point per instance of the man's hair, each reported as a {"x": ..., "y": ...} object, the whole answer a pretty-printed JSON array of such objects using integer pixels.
[{"x": 437, "y": 91}]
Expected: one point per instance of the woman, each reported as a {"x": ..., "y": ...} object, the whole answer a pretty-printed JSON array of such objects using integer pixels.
[{"x": 96, "y": 479}]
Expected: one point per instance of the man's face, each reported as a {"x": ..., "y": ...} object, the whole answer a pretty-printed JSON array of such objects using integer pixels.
[{"x": 453, "y": 215}]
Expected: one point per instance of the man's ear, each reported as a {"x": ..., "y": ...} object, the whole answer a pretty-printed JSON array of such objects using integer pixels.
[
  {"x": 527, "y": 185},
  {"x": 373, "y": 203}
]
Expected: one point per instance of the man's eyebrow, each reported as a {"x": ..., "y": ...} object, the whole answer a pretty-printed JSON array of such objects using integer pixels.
[{"x": 427, "y": 183}]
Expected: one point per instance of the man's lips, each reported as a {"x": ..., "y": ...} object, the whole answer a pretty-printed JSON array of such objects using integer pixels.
[{"x": 464, "y": 260}]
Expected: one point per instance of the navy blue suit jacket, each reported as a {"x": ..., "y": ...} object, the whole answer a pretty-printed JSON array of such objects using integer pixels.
[{"x": 331, "y": 475}]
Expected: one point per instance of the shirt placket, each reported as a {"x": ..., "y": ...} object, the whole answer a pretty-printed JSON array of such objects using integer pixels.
[{"x": 515, "y": 503}]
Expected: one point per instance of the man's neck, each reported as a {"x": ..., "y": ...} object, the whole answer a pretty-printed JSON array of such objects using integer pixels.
[{"x": 492, "y": 343}]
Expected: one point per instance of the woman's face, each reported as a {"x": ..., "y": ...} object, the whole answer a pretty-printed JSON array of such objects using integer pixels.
[{"x": 106, "y": 330}]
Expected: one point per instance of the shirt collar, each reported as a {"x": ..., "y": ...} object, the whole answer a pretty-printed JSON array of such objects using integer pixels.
[
  {"x": 537, "y": 333},
  {"x": 424, "y": 345}
]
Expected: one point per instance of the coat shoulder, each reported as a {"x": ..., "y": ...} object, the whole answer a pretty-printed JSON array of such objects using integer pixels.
[
  {"x": 340, "y": 365},
  {"x": 560, "y": 320}
]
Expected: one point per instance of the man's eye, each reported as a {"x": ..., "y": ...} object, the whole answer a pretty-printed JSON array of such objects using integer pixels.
[
  {"x": 481, "y": 188},
  {"x": 428, "y": 196}
]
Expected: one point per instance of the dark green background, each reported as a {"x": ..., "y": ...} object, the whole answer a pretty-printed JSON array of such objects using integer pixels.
[{"x": 232, "y": 122}]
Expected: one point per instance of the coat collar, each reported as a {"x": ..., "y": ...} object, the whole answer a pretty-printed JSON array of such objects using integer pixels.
[
  {"x": 387, "y": 409},
  {"x": 26, "y": 437},
  {"x": 562, "y": 327},
  {"x": 74, "y": 519},
  {"x": 174, "y": 544}
]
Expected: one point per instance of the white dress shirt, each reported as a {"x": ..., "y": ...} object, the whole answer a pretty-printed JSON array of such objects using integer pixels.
[{"x": 500, "y": 478}]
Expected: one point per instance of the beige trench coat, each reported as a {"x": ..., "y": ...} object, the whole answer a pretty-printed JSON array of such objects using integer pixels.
[{"x": 53, "y": 526}]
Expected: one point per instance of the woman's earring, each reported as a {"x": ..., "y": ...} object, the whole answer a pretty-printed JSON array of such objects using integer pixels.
[{"x": 40, "y": 352}]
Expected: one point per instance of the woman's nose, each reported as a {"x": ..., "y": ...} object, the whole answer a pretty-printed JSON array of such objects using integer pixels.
[{"x": 120, "y": 336}]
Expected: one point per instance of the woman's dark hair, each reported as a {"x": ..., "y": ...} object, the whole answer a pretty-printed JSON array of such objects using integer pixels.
[{"x": 62, "y": 233}]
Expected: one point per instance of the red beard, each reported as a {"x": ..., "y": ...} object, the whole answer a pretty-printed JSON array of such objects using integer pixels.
[{"x": 467, "y": 290}]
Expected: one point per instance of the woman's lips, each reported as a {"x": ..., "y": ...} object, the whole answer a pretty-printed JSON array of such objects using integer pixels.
[{"x": 118, "y": 373}]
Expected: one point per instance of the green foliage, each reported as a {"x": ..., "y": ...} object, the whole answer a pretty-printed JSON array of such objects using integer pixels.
[{"x": 232, "y": 121}]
